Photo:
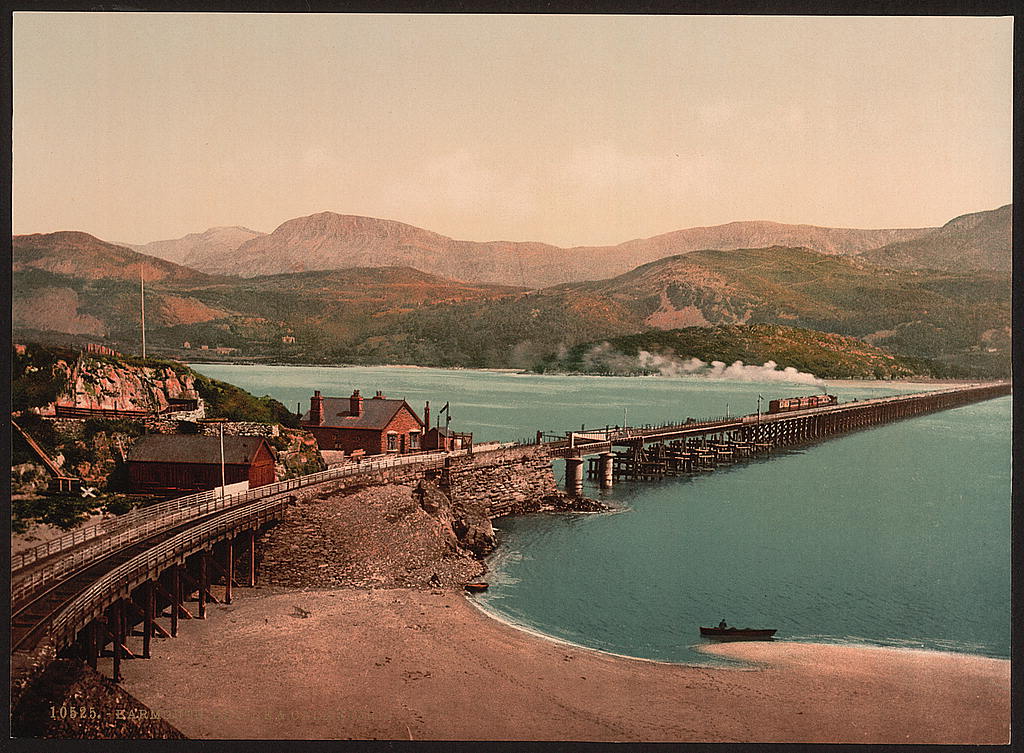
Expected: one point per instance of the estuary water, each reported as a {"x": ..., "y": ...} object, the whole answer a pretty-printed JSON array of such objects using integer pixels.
[{"x": 895, "y": 536}]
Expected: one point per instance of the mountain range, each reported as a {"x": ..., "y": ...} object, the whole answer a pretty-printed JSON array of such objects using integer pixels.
[
  {"x": 73, "y": 284},
  {"x": 333, "y": 241}
]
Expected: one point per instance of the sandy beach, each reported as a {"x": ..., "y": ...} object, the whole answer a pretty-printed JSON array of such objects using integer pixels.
[{"x": 427, "y": 664}]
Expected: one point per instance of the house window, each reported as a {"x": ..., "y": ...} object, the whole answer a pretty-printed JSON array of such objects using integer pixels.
[
  {"x": 414, "y": 440},
  {"x": 392, "y": 442}
]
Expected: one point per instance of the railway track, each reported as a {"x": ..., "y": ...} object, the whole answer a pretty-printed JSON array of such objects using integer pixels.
[{"x": 35, "y": 612}]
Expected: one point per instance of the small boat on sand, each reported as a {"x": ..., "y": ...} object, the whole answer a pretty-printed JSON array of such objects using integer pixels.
[
  {"x": 475, "y": 587},
  {"x": 736, "y": 634}
]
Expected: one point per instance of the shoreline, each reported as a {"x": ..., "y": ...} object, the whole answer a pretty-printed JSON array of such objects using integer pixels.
[
  {"x": 710, "y": 647},
  {"x": 428, "y": 664},
  {"x": 922, "y": 380}
]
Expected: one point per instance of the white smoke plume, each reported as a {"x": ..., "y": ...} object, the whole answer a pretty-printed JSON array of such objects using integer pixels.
[
  {"x": 736, "y": 371},
  {"x": 605, "y": 359}
]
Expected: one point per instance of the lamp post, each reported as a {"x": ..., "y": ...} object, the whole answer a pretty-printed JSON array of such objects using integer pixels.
[{"x": 759, "y": 399}]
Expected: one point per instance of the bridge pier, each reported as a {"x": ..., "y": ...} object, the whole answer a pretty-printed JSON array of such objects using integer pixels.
[
  {"x": 229, "y": 569},
  {"x": 117, "y": 615},
  {"x": 175, "y": 599},
  {"x": 203, "y": 584},
  {"x": 605, "y": 472},
  {"x": 252, "y": 558},
  {"x": 574, "y": 476},
  {"x": 149, "y": 594},
  {"x": 92, "y": 638}
]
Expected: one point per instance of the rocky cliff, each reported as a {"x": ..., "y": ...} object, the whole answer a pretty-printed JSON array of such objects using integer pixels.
[{"x": 95, "y": 384}]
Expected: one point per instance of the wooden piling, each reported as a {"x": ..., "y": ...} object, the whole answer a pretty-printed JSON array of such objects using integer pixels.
[
  {"x": 175, "y": 599},
  {"x": 229, "y": 570},
  {"x": 252, "y": 558},
  {"x": 147, "y": 618},
  {"x": 92, "y": 639},
  {"x": 202, "y": 584},
  {"x": 118, "y": 620}
]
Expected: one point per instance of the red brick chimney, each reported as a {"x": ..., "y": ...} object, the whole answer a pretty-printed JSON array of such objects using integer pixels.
[
  {"x": 379, "y": 395},
  {"x": 355, "y": 403},
  {"x": 426, "y": 416},
  {"x": 316, "y": 409}
]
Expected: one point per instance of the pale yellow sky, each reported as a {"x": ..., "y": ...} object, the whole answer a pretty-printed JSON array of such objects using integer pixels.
[{"x": 565, "y": 129}]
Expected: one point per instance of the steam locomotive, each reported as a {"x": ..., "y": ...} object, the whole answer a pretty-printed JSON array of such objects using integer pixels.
[{"x": 800, "y": 403}]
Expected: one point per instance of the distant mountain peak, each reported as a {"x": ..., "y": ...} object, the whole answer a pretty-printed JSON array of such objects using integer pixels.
[
  {"x": 77, "y": 254},
  {"x": 194, "y": 249},
  {"x": 979, "y": 240}
]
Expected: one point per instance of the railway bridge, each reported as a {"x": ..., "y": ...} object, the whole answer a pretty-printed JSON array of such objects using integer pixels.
[
  {"x": 92, "y": 587},
  {"x": 651, "y": 452}
]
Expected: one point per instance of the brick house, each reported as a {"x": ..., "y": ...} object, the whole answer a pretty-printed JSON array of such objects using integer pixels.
[
  {"x": 186, "y": 463},
  {"x": 376, "y": 426}
]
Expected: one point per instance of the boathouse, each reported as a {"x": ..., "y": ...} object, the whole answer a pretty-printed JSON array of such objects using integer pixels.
[
  {"x": 185, "y": 463},
  {"x": 375, "y": 426}
]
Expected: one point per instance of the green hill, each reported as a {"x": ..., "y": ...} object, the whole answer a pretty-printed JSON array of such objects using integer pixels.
[{"x": 823, "y": 354}]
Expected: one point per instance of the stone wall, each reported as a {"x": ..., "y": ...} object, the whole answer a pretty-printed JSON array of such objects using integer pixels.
[
  {"x": 239, "y": 429},
  {"x": 509, "y": 481},
  {"x": 167, "y": 425},
  {"x": 502, "y": 482}
]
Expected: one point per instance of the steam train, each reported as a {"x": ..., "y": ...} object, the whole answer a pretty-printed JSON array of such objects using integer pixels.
[{"x": 801, "y": 403}]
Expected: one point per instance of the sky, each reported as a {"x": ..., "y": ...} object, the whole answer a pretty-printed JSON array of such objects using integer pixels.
[{"x": 572, "y": 130}]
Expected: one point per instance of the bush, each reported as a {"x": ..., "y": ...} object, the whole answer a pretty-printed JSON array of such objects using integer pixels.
[
  {"x": 33, "y": 383},
  {"x": 225, "y": 400},
  {"x": 64, "y": 511}
]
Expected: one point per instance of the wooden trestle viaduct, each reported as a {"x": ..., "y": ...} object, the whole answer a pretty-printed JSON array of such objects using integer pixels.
[
  {"x": 653, "y": 452},
  {"x": 113, "y": 583}
]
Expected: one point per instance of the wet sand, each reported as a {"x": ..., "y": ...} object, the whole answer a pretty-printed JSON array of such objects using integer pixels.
[{"x": 405, "y": 663}]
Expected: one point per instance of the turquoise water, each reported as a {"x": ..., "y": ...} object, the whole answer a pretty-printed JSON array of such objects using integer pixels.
[{"x": 898, "y": 535}]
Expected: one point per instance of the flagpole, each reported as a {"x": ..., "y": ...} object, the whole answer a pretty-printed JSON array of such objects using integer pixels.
[
  {"x": 142, "y": 299},
  {"x": 222, "y": 478}
]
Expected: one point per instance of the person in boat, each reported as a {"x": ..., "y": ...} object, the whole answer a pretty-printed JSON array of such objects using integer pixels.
[{"x": 722, "y": 625}]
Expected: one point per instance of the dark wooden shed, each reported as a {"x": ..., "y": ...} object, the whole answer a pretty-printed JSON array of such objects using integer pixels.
[{"x": 183, "y": 463}]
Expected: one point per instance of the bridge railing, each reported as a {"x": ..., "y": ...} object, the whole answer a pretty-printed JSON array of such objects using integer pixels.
[
  {"x": 23, "y": 559},
  {"x": 138, "y": 524}
]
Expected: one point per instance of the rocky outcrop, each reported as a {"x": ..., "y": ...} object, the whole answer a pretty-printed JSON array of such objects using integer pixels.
[
  {"x": 405, "y": 527},
  {"x": 98, "y": 385},
  {"x": 467, "y": 519},
  {"x": 371, "y": 537},
  {"x": 297, "y": 453},
  {"x": 70, "y": 700}
]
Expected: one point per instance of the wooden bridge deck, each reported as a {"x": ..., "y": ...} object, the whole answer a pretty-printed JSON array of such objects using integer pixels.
[{"x": 589, "y": 444}]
